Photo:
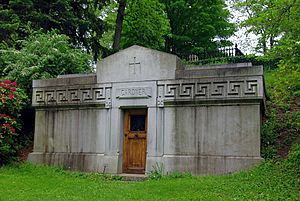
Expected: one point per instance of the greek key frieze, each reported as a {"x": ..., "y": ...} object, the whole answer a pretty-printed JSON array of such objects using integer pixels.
[
  {"x": 86, "y": 94},
  {"x": 187, "y": 90},
  {"x": 251, "y": 87},
  {"x": 202, "y": 89},
  {"x": 218, "y": 89},
  {"x": 39, "y": 96},
  {"x": 62, "y": 96},
  {"x": 99, "y": 93},
  {"x": 72, "y": 95},
  {"x": 234, "y": 88},
  {"x": 206, "y": 90},
  {"x": 50, "y": 96}
]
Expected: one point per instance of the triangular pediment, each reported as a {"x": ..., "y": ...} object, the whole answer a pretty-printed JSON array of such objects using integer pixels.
[{"x": 137, "y": 63}]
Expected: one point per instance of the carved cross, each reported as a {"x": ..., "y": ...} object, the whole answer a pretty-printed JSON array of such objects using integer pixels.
[{"x": 134, "y": 63}]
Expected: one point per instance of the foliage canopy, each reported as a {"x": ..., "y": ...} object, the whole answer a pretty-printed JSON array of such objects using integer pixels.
[
  {"x": 43, "y": 55},
  {"x": 275, "y": 22},
  {"x": 145, "y": 24},
  {"x": 77, "y": 19},
  {"x": 176, "y": 26},
  {"x": 197, "y": 25}
]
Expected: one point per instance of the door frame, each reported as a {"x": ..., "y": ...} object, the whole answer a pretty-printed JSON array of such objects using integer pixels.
[{"x": 126, "y": 126}]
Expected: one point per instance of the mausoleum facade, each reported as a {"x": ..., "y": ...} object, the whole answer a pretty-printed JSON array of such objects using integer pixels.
[{"x": 144, "y": 108}]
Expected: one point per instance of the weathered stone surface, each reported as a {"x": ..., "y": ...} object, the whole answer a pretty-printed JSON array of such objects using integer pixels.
[
  {"x": 137, "y": 63},
  {"x": 66, "y": 80},
  {"x": 72, "y": 94},
  {"x": 219, "y": 71},
  {"x": 213, "y": 130},
  {"x": 205, "y": 120}
]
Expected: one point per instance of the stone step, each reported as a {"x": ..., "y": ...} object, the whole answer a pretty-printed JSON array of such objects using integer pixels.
[{"x": 133, "y": 177}]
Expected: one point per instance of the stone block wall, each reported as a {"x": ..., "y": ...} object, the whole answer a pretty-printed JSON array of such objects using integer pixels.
[{"x": 205, "y": 120}]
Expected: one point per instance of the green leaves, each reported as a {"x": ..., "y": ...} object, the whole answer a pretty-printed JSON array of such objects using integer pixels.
[
  {"x": 79, "y": 20},
  {"x": 41, "y": 56},
  {"x": 9, "y": 24},
  {"x": 272, "y": 21},
  {"x": 145, "y": 24},
  {"x": 197, "y": 25},
  {"x": 44, "y": 56},
  {"x": 12, "y": 100}
]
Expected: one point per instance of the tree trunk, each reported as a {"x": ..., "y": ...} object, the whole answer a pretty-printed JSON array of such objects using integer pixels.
[
  {"x": 263, "y": 41},
  {"x": 119, "y": 24},
  {"x": 271, "y": 42}
]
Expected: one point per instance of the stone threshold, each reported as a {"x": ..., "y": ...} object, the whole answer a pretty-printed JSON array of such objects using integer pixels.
[{"x": 132, "y": 177}]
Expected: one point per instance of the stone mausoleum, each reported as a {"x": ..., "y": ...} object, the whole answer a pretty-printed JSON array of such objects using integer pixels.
[{"x": 144, "y": 108}]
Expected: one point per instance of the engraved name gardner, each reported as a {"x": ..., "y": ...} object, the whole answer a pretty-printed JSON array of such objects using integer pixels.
[{"x": 134, "y": 92}]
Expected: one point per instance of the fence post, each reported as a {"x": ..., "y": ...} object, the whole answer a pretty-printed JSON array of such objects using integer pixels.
[{"x": 238, "y": 52}]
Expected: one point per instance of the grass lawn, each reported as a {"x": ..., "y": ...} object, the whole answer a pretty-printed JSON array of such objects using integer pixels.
[{"x": 29, "y": 182}]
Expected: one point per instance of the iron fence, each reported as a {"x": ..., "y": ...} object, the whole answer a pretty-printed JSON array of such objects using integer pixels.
[{"x": 211, "y": 54}]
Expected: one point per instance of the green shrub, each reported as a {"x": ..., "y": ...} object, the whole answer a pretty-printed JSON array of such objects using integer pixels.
[
  {"x": 12, "y": 99},
  {"x": 40, "y": 56},
  {"x": 292, "y": 163},
  {"x": 282, "y": 124},
  {"x": 268, "y": 152},
  {"x": 43, "y": 56},
  {"x": 268, "y": 63}
]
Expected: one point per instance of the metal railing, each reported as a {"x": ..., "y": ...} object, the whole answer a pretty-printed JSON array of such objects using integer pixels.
[{"x": 219, "y": 53}]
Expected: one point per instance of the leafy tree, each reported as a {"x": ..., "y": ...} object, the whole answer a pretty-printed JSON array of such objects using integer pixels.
[
  {"x": 41, "y": 55},
  {"x": 261, "y": 21},
  {"x": 184, "y": 26},
  {"x": 272, "y": 21},
  {"x": 278, "y": 25},
  {"x": 139, "y": 22},
  {"x": 279, "y": 20},
  {"x": 9, "y": 24},
  {"x": 78, "y": 19},
  {"x": 197, "y": 25},
  {"x": 44, "y": 56},
  {"x": 145, "y": 24},
  {"x": 288, "y": 46}
]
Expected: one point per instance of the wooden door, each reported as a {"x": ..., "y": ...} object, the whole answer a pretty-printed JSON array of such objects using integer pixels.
[{"x": 135, "y": 141}]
